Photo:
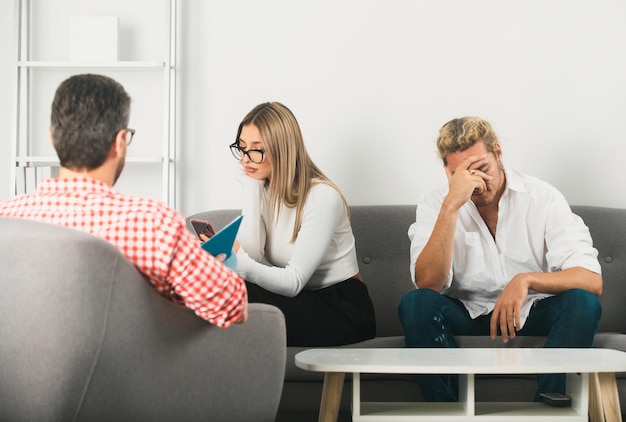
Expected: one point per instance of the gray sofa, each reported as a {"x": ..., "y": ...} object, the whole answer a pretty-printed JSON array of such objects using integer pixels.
[
  {"x": 84, "y": 337},
  {"x": 383, "y": 253}
]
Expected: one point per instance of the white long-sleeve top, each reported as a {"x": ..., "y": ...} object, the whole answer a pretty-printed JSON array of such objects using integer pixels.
[
  {"x": 536, "y": 232},
  {"x": 323, "y": 253}
]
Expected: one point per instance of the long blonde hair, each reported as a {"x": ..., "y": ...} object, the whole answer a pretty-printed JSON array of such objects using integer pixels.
[{"x": 293, "y": 171}]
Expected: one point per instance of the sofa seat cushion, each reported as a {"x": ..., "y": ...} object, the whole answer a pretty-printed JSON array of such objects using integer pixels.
[{"x": 616, "y": 341}]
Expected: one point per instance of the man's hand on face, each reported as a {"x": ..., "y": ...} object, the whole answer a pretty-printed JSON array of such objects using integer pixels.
[
  {"x": 465, "y": 179},
  {"x": 506, "y": 313}
]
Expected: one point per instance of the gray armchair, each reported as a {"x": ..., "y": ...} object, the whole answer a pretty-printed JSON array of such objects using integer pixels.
[{"x": 83, "y": 337}]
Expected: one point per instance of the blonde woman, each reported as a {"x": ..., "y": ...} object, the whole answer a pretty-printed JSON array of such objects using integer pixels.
[{"x": 297, "y": 250}]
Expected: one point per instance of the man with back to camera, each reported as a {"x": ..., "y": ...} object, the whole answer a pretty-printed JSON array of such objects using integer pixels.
[
  {"x": 496, "y": 252},
  {"x": 89, "y": 131}
]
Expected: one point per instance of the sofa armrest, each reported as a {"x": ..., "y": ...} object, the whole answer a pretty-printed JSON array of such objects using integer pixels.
[{"x": 85, "y": 337}]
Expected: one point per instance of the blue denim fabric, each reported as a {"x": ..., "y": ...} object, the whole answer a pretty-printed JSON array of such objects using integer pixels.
[{"x": 430, "y": 319}]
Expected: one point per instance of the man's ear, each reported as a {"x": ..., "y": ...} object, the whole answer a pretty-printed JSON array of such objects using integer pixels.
[
  {"x": 119, "y": 145},
  {"x": 49, "y": 132},
  {"x": 498, "y": 151}
]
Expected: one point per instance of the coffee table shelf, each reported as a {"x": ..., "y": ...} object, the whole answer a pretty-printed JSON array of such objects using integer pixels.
[{"x": 401, "y": 411}]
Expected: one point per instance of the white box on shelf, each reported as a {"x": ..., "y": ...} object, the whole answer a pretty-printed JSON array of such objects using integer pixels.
[{"x": 94, "y": 38}]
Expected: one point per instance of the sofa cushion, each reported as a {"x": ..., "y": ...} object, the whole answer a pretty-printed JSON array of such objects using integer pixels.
[
  {"x": 608, "y": 231},
  {"x": 382, "y": 247}
]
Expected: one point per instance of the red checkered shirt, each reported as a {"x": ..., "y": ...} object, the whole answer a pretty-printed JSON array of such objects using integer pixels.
[{"x": 151, "y": 235}]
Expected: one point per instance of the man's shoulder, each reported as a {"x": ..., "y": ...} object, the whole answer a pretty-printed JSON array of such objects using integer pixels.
[
  {"x": 434, "y": 196},
  {"x": 534, "y": 185},
  {"x": 13, "y": 206},
  {"x": 147, "y": 206}
]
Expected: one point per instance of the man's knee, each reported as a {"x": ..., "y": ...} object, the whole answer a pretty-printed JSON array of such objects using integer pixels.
[
  {"x": 416, "y": 304},
  {"x": 581, "y": 303}
]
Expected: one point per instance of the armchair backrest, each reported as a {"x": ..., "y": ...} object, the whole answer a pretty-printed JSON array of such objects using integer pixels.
[{"x": 83, "y": 336}]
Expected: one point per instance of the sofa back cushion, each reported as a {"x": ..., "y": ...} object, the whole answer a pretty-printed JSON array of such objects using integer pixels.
[
  {"x": 382, "y": 243},
  {"x": 383, "y": 250},
  {"x": 608, "y": 231},
  {"x": 382, "y": 246}
]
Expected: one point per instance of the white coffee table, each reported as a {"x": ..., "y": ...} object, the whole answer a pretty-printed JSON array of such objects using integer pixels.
[{"x": 590, "y": 382}]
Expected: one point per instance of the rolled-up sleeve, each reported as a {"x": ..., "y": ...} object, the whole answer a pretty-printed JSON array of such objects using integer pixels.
[{"x": 568, "y": 240}]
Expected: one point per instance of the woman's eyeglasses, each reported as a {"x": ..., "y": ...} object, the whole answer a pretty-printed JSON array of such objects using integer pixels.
[{"x": 254, "y": 155}]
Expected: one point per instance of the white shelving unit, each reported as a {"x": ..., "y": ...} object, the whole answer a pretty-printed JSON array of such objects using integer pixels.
[{"x": 23, "y": 145}]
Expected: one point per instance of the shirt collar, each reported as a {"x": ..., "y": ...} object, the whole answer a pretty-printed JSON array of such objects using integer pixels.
[
  {"x": 74, "y": 184},
  {"x": 513, "y": 180}
]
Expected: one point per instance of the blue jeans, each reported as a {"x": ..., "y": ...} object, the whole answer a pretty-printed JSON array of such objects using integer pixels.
[{"x": 430, "y": 319}]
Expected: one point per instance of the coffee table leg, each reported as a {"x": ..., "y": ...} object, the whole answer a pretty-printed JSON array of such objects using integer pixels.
[
  {"x": 596, "y": 411},
  {"x": 603, "y": 398},
  {"x": 610, "y": 397},
  {"x": 331, "y": 396}
]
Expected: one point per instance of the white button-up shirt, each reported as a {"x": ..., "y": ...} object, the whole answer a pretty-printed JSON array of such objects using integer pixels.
[{"x": 536, "y": 232}]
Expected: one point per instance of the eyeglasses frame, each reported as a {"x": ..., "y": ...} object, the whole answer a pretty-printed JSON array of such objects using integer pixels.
[
  {"x": 239, "y": 152},
  {"x": 132, "y": 135}
]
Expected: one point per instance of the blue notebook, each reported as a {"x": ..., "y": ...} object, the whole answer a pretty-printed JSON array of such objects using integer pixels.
[{"x": 222, "y": 241}]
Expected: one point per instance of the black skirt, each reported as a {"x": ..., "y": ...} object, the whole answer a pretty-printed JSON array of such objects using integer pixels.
[{"x": 336, "y": 315}]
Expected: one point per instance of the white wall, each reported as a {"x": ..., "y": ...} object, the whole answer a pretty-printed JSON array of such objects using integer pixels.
[
  {"x": 371, "y": 82},
  {"x": 6, "y": 92}
]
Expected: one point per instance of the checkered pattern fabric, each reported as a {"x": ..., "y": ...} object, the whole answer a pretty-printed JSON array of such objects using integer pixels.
[{"x": 150, "y": 234}]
